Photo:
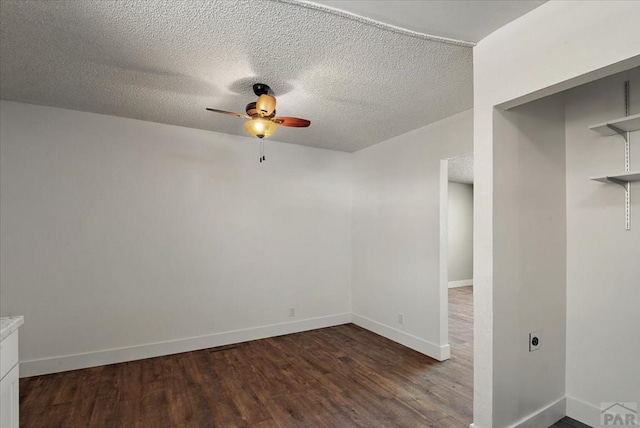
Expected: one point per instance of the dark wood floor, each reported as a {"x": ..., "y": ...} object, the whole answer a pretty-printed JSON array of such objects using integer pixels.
[
  {"x": 569, "y": 423},
  {"x": 341, "y": 376}
]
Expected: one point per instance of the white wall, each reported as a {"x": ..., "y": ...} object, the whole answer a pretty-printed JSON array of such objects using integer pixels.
[
  {"x": 124, "y": 239},
  {"x": 529, "y": 282},
  {"x": 460, "y": 231},
  {"x": 556, "y": 46},
  {"x": 395, "y": 233},
  {"x": 118, "y": 233},
  {"x": 603, "y": 273}
]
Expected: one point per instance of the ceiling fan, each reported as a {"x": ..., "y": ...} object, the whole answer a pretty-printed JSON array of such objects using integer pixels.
[{"x": 263, "y": 121}]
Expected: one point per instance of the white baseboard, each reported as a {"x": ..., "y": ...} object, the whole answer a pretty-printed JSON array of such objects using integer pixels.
[
  {"x": 544, "y": 417},
  {"x": 112, "y": 356},
  {"x": 583, "y": 412},
  {"x": 432, "y": 350},
  {"x": 461, "y": 283},
  {"x": 151, "y": 350}
]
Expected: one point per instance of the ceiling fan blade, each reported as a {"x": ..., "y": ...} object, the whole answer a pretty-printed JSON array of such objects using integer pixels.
[
  {"x": 292, "y": 121},
  {"x": 229, "y": 113}
]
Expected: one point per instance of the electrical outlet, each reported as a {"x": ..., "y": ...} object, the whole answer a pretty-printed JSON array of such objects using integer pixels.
[
  {"x": 400, "y": 319},
  {"x": 292, "y": 312},
  {"x": 534, "y": 341}
]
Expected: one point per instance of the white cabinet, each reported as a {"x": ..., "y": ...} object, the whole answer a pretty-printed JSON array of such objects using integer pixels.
[{"x": 9, "y": 398}]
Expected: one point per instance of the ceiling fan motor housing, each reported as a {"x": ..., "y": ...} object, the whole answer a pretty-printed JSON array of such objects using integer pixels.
[
  {"x": 252, "y": 111},
  {"x": 261, "y": 89}
]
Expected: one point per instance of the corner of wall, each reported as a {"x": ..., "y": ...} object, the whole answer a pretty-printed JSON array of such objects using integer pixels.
[{"x": 438, "y": 352}]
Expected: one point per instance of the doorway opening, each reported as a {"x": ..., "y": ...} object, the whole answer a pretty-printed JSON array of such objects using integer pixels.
[{"x": 456, "y": 255}]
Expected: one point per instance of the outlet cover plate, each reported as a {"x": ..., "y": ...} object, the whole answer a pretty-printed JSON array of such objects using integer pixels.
[{"x": 534, "y": 341}]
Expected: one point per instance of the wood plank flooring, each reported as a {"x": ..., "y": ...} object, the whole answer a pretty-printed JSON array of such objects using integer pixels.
[
  {"x": 569, "y": 423},
  {"x": 341, "y": 376}
]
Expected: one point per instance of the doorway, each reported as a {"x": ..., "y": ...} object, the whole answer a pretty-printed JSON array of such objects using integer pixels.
[{"x": 456, "y": 254}]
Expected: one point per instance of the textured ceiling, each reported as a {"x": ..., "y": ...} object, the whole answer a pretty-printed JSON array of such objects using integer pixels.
[
  {"x": 461, "y": 169},
  {"x": 165, "y": 61},
  {"x": 455, "y": 19}
]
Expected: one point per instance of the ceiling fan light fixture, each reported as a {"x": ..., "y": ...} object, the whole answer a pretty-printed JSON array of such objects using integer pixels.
[
  {"x": 266, "y": 105},
  {"x": 260, "y": 128}
]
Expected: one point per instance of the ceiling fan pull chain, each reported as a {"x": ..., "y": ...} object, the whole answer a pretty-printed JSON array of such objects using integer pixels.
[
  {"x": 260, "y": 151},
  {"x": 264, "y": 158}
]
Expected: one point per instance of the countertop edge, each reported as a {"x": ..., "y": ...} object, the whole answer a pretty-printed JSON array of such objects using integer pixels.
[{"x": 8, "y": 325}]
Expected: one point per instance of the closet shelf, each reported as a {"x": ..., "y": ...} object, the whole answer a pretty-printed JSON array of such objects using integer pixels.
[
  {"x": 617, "y": 178},
  {"x": 623, "y": 127},
  {"x": 626, "y": 124}
]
